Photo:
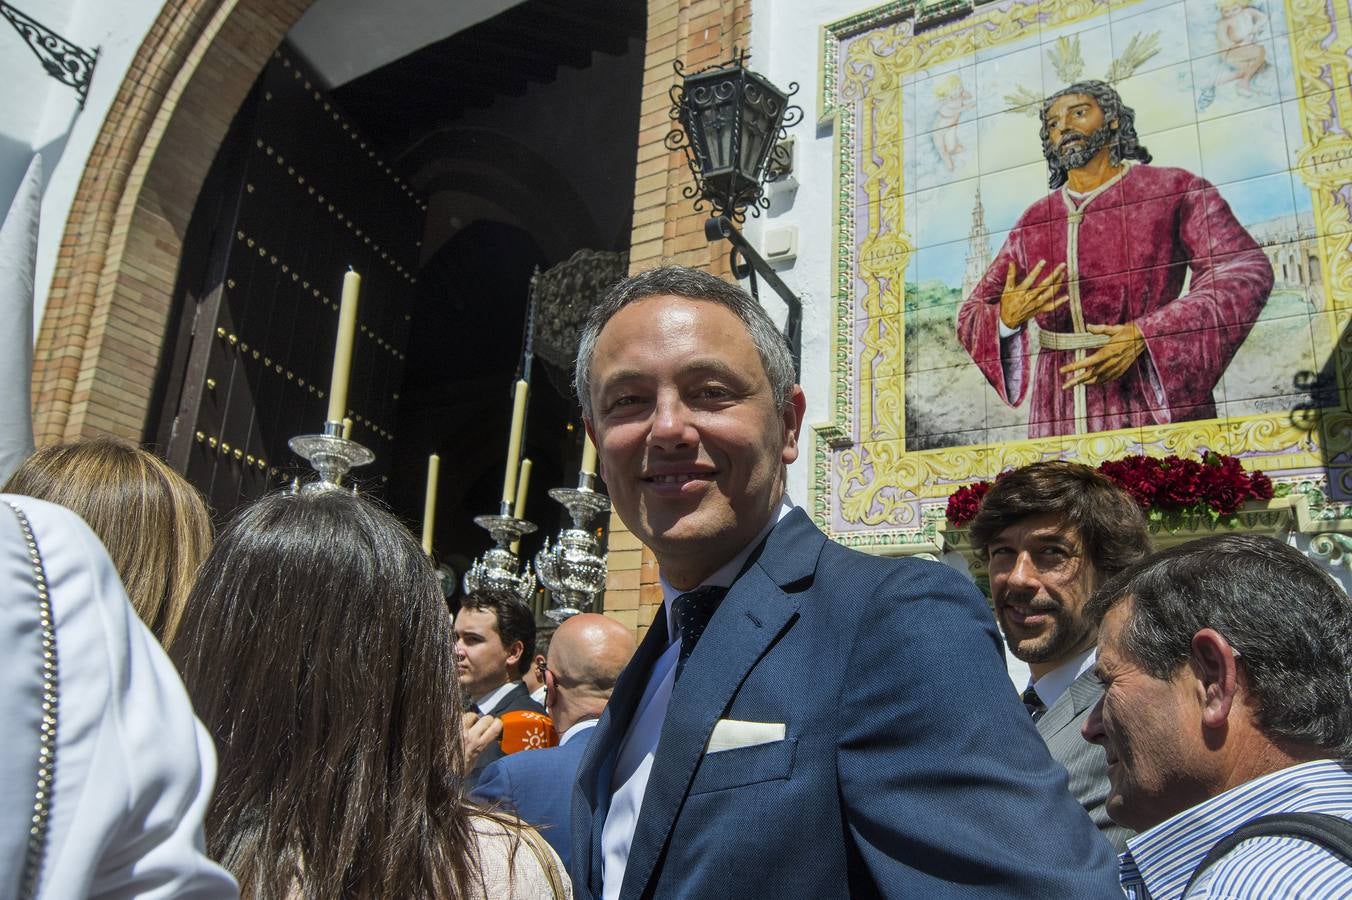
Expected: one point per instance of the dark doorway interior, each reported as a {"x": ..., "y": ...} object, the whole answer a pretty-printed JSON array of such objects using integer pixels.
[{"x": 510, "y": 145}]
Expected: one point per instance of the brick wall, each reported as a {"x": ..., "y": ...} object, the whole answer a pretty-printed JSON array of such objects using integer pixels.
[
  {"x": 667, "y": 229},
  {"x": 108, "y": 308}
]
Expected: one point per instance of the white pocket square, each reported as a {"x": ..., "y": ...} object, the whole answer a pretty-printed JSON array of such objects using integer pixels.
[{"x": 729, "y": 734}]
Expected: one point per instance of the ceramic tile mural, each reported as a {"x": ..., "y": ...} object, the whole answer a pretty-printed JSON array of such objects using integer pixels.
[{"x": 1080, "y": 229}]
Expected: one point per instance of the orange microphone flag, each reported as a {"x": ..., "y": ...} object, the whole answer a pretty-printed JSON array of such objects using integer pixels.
[{"x": 525, "y": 730}]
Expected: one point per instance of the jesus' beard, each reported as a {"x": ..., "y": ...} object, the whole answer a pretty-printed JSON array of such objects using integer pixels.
[{"x": 1081, "y": 151}]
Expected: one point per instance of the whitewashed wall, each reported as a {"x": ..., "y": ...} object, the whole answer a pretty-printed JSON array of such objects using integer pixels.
[
  {"x": 785, "y": 45},
  {"x": 41, "y": 115}
]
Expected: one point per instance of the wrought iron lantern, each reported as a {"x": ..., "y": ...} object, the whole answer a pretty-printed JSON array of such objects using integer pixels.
[{"x": 731, "y": 121}]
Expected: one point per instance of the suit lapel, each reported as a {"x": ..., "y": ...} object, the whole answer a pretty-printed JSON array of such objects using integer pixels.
[
  {"x": 515, "y": 695},
  {"x": 1082, "y": 694},
  {"x": 755, "y": 612},
  {"x": 591, "y": 792}
]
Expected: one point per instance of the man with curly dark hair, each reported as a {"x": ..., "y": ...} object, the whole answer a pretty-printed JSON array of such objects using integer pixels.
[
  {"x": 1100, "y": 265},
  {"x": 1051, "y": 533}
]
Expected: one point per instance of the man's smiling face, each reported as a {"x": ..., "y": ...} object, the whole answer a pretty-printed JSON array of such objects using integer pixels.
[
  {"x": 691, "y": 445},
  {"x": 1040, "y": 581}
]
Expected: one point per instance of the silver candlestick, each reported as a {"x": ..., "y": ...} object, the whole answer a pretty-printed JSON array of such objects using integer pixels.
[
  {"x": 498, "y": 571},
  {"x": 331, "y": 455},
  {"x": 574, "y": 569}
]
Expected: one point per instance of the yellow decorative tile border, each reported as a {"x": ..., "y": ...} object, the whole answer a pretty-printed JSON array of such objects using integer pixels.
[{"x": 866, "y": 488}]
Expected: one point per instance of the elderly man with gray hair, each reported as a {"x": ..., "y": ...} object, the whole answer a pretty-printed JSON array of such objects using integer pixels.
[{"x": 1227, "y": 721}]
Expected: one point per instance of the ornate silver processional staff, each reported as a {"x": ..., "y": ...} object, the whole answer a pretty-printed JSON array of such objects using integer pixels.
[
  {"x": 573, "y": 568},
  {"x": 498, "y": 571}
]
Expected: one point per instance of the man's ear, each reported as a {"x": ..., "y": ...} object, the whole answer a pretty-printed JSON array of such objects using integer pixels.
[
  {"x": 514, "y": 653},
  {"x": 1213, "y": 662},
  {"x": 793, "y": 414}
]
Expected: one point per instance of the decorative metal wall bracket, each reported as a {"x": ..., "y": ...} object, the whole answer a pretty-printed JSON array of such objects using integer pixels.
[
  {"x": 498, "y": 572},
  {"x": 574, "y": 570},
  {"x": 331, "y": 455},
  {"x": 69, "y": 64},
  {"x": 745, "y": 262}
]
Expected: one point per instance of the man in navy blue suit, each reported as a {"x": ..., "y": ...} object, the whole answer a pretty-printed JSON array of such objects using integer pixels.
[
  {"x": 585, "y": 657},
  {"x": 801, "y": 720},
  {"x": 494, "y": 643}
]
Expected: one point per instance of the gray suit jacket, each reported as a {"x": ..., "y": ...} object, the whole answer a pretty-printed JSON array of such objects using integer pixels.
[{"x": 1085, "y": 762}]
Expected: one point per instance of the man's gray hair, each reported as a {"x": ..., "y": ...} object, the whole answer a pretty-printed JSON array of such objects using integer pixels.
[
  {"x": 1291, "y": 623},
  {"x": 694, "y": 285}
]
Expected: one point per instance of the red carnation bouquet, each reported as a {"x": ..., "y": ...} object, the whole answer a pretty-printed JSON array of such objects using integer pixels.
[{"x": 1167, "y": 489}]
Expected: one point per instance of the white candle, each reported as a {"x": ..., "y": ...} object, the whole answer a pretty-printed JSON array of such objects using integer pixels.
[
  {"x": 347, "y": 429},
  {"x": 430, "y": 503},
  {"x": 521, "y": 485},
  {"x": 588, "y": 455},
  {"x": 342, "y": 352},
  {"x": 514, "y": 443}
]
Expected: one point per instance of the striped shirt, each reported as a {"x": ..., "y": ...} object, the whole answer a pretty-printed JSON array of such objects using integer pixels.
[{"x": 1158, "y": 863}]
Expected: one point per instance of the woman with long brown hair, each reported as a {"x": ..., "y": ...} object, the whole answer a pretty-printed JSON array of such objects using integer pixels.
[
  {"x": 318, "y": 650},
  {"x": 154, "y": 524}
]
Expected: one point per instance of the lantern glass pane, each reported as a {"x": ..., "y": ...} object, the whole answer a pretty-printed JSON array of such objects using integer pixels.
[
  {"x": 718, "y": 127},
  {"x": 755, "y": 142}
]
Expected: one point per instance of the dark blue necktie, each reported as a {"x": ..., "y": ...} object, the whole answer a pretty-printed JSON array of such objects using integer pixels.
[
  {"x": 1033, "y": 703},
  {"x": 692, "y": 612}
]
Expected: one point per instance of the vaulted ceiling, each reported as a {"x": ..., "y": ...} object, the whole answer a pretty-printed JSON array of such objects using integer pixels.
[{"x": 500, "y": 57}]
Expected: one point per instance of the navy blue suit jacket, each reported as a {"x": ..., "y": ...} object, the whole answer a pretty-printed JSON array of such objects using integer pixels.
[
  {"x": 518, "y": 698},
  {"x": 538, "y": 786},
  {"x": 909, "y": 768}
]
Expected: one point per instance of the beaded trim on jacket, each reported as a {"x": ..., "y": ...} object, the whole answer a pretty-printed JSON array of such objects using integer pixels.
[{"x": 42, "y": 796}]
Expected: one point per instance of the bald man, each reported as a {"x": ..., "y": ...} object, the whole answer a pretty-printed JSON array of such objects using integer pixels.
[{"x": 585, "y": 658}]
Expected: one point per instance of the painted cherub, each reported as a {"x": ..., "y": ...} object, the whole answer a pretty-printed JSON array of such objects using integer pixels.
[
  {"x": 954, "y": 100},
  {"x": 1238, "y": 33}
]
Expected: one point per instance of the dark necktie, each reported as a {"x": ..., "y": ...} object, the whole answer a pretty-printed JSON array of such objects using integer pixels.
[
  {"x": 1033, "y": 703},
  {"x": 692, "y": 612}
]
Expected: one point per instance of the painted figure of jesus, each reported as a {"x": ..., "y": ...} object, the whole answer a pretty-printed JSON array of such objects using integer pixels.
[{"x": 1099, "y": 267}]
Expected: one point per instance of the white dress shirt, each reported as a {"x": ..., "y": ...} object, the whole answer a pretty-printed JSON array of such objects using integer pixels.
[
  {"x": 578, "y": 728},
  {"x": 1052, "y": 685},
  {"x": 635, "y": 760},
  {"x": 488, "y": 702}
]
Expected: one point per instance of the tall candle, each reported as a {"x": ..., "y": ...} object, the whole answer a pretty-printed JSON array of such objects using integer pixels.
[
  {"x": 514, "y": 443},
  {"x": 521, "y": 485},
  {"x": 588, "y": 455},
  {"x": 430, "y": 503},
  {"x": 342, "y": 352}
]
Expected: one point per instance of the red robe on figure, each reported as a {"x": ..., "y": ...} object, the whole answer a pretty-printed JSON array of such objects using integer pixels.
[{"x": 1137, "y": 237}]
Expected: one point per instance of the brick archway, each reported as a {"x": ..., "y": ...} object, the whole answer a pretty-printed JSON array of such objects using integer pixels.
[{"x": 109, "y": 303}]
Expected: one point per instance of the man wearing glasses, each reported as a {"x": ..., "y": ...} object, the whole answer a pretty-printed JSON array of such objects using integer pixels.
[{"x": 1051, "y": 533}]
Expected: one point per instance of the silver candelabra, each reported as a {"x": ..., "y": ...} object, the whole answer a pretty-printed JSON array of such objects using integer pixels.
[
  {"x": 331, "y": 455},
  {"x": 574, "y": 569},
  {"x": 498, "y": 571}
]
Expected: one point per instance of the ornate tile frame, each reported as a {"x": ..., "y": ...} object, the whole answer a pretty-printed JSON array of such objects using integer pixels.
[{"x": 867, "y": 490}]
